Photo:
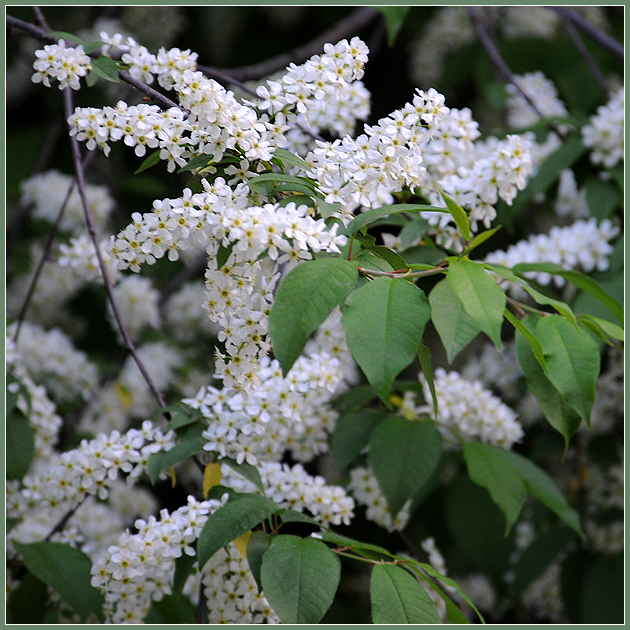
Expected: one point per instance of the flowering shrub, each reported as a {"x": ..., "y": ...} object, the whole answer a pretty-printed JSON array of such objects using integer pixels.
[{"x": 327, "y": 358}]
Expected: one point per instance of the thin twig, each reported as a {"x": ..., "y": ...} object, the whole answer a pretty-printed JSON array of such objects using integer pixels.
[
  {"x": 39, "y": 16},
  {"x": 76, "y": 155},
  {"x": 158, "y": 97},
  {"x": 604, "y": 40},
  {"x": 586, "y": 53},
  {"x": 51, "y": 237},
  {"x": 64, "y": 520},
  {"x": 349, "y": 26},
  {"x": 502, "y": 68}
]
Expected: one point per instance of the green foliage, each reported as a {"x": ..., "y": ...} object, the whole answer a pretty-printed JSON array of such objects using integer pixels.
[
  {"x": 403, "y": 455},
  {"x": 65, "y": 569},
  {"x": 397, "y": 597},
  {"x": 370, "y": 217},
  {"x": 106, "y": 68},
  {"x": 257, "y": 546},
  {"x": 482, "y": 297},
  {"x": 305, "y": 298},
  {"x": 384, "y": 321},
  {"x": 232, "y": 520},
  {"x": 454, "y": 326},
  {"x": 19, "y": 436},
  {"x": 300, "y": 577},
  {"x": 394, "y": 20},
  {"x": 188, "y": 444}
]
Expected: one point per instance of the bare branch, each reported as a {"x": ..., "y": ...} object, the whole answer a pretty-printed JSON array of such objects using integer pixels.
[
  {"x": 585, "y": 53},
  {"x": 76, "y": 154},
  {"x": 604, "y": 40},
  {"x": 345, "y": 28}
]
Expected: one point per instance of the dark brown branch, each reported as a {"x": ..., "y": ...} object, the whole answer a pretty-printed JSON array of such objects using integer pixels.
[
  {"x": 347, "y": 27},
  {"x": 585, "y": 53},
  {"x": 76, "y": 155},
  {"x": 201, "y": 612},
  {"x": 604, "y": 40},
  {"x": 39, "y": 16}
]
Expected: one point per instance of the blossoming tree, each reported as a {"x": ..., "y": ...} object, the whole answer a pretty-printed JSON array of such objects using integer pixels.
[{"x": 331, "y": 351}]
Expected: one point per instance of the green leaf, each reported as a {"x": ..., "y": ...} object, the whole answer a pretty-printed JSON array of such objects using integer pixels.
[
  {"x": 603, "y": 592},
  {"x": 403, "y": 455},
  {"x": 90, "y": 47},
  {"x": 394, "y": 19},
  {"x": 231, "y": 521},
  {"x": 300, "y": 577},
  {"x": 191, "y": 444},
  {"x": 445, "y": 580},
  {"x": 20, "y": 444},
  {"x": 326, "y": 209},
  {"x": 603, "y": 198},
  {"x": 67, "y": 37},
  {"x": 106, "y": 68},
  {"x": 293, "y": 516},
  {"x": 413, "y": 231},
  {"x": 389, "y": 255},
  {"x": 197, "y": 162},
  {"x": 287, "y": 157},
  {"x": 459, "y": 216},
  {"x": 352, "y": 434},
  {"x": 453, "y": 324},
  {"x": 573, "y": 362},
  {"x": 612, "y": 330},
  {"x": 424, "y": 354},
  {"x": 151, "y": 160},
  {"x": 65, "y": 569},
  {"x": 366, "y": 218},
  {"x": 375, "y": 551},
  {"x": 245, "y": 470},
  {"x": 397, "y": 597},
  {"x": 356, "y": 397},
  {"x": 91, "y": 78},
  {"x": 580, "y": 280},
  {"x": 480, "y": 238},
  {"x": 261, "y": 181},
  {"x": 384, "y": 321},
  {"x": 20, "y": 608},
  {"x": 257, "y": 545},
  {"x": 305, "y": 298},
  {"x": 369, "y": 261},
  {"x": 542, "y": 487},
  {"x": 529, "y": 337},
  {"x": 482, "y": 297},
  {"x": 557, "y": 412},
  {"x": 179, "y": 420},
  {"x": 487, "y": 468}
]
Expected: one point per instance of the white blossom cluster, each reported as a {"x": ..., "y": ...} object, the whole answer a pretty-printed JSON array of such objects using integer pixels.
[
  {"x": 280, "y": 413},
  {"x": 480, "y": 591},
  {"x": 584, "y": 245},
  {"x": 325, "y": 92},
  {"x": 541, "y": 92},
  {"x": 365, "y": 489},
  {"x": 231, "y": 591},
  {"x": 51, "y": 359},
  {"x": 239, "y": 294},
  {"x": 139, "y": 569},
  {"x": 89, "y": 470},
  {"x": 292, "y": 487},
  {"x": 468, "y": 411},
  {"x": 64, "y": 64},
  {"x": 47, "y": 191},
  {"x": 474, "y": 174},
  {"x": 366, "y": 171},
  {"x": 604, "y": 134}
]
